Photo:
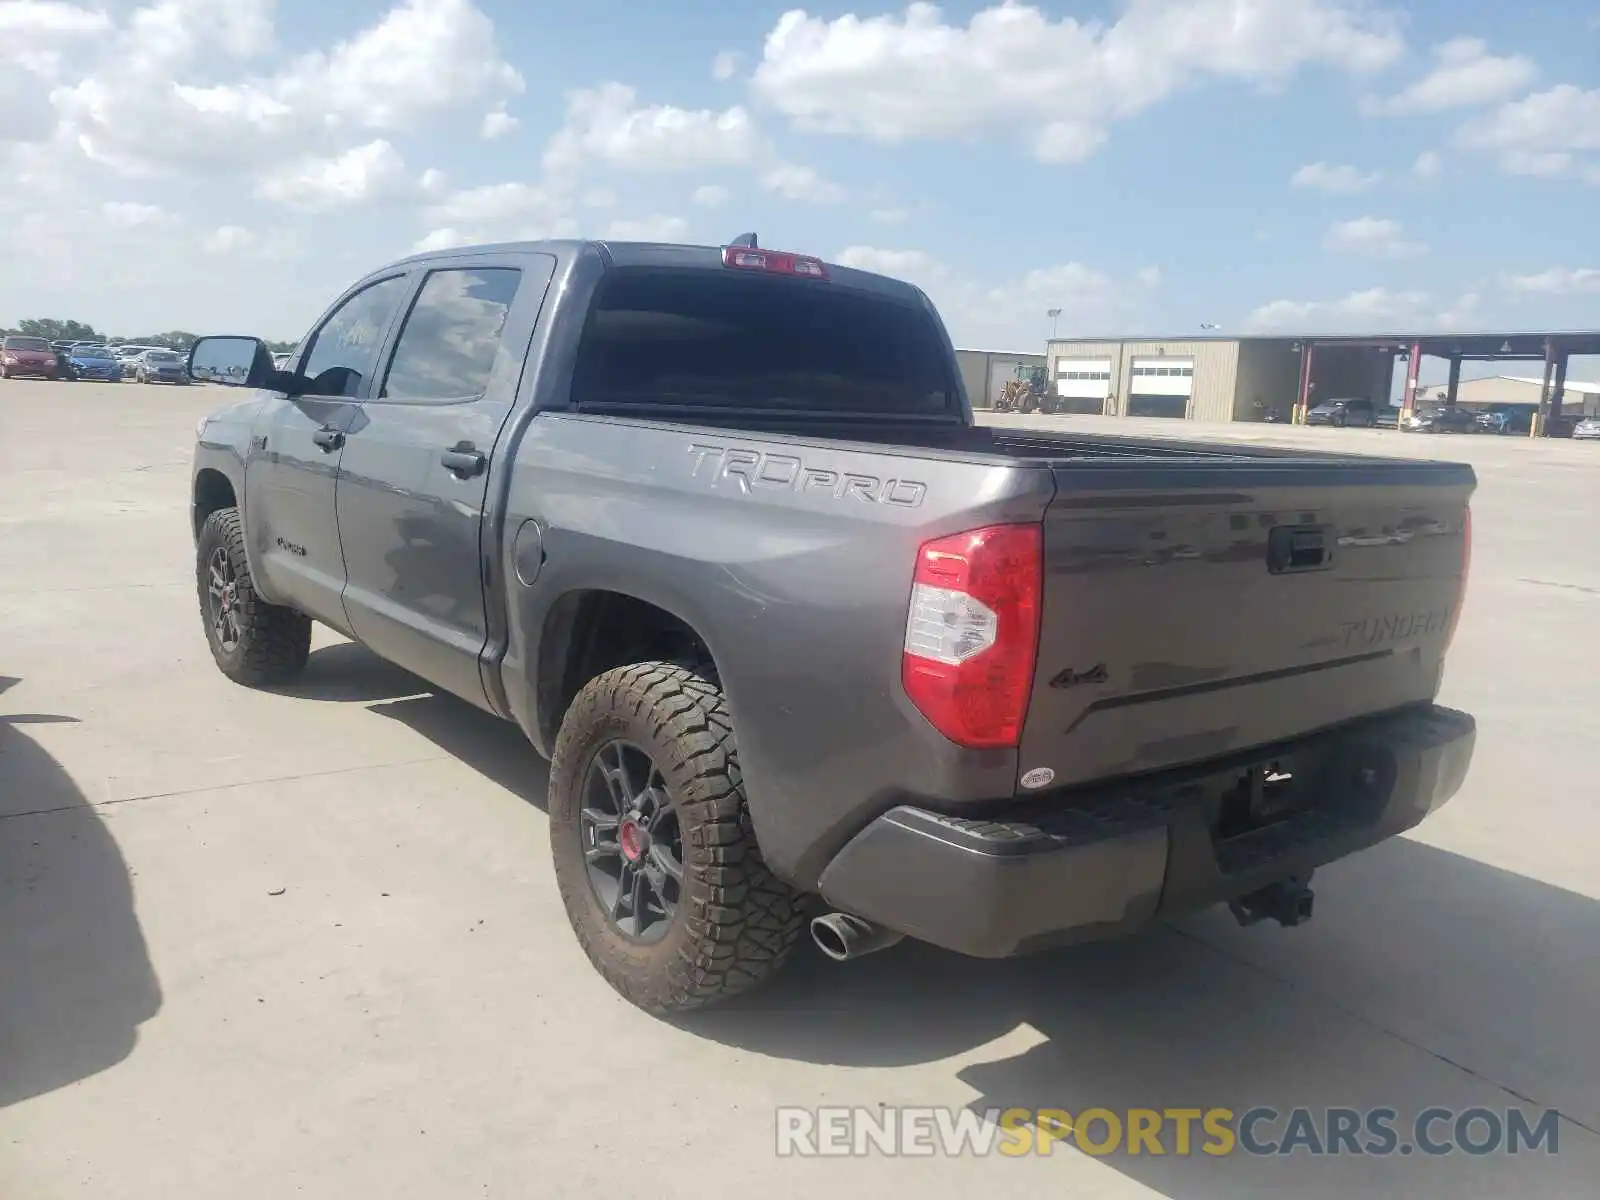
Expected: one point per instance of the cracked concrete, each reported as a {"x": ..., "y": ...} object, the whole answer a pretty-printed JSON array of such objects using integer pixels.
[{"x": 308, "y": 943}]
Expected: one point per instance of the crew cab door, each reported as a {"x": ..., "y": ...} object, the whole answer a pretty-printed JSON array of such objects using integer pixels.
[
  {"x": 295, "y": 451},
  {"x": 418, "y": 461}
]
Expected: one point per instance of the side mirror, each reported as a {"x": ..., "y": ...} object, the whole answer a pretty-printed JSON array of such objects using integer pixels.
[
  {"x": 230, "y": 361},
  {"x": 235, "y": 362}
]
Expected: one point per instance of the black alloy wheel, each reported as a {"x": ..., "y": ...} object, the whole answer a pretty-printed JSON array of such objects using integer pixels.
[{"x": 632, "y": 844}]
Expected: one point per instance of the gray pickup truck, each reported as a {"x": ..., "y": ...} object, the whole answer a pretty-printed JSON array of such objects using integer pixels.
[{"x": 804, "y": 645}]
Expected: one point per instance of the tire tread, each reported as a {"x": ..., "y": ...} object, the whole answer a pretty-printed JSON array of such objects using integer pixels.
[
  {"x": 276, "y": 641},
  {"x": 742, "y": 922}
]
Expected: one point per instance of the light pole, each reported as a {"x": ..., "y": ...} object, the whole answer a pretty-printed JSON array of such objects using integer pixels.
[{"x": 1054, "y": 314}]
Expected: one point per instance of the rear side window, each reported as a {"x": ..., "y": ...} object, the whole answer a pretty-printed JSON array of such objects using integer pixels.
[
  {"x": 707, "y": 339},
  {"x": 451, "y": 337}
]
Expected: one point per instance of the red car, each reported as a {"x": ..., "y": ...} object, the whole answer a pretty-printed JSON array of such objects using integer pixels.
[{"x": 21, "y": 355}]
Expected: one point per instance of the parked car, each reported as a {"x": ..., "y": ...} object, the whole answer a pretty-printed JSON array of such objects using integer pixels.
[
  {"x": 716, "y": 528},
  {"x": 1586, "y": 429},
  {"x": 21, "y": 355},
  {"x": 1386, "y": 416},
  {"x": 94, "y": 362},
  {"x": 127, "y": 354},
  {"x": 1447, "y": 419},
  {"x": 280, "y": 361},
  {"x": 1563, "y": 426},
  {"x": 1340, "y": 413},
  {"x": 159, "y": 366},
  {"x": 1513, "y": 419}
]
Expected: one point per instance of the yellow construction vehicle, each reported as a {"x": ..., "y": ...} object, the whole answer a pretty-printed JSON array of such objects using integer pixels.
[{"x": 1026, "y": 392}]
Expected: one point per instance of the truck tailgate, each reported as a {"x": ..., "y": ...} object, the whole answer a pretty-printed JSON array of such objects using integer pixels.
[{"x": 1200, "y": 609}]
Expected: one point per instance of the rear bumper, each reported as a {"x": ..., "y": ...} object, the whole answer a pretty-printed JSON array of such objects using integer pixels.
[{"x": 1098, "y": 864}]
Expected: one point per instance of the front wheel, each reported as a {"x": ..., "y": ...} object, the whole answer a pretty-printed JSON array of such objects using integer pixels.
[
  {"x": 253, "y": 642},
  {"x": 654, "y": 853}
]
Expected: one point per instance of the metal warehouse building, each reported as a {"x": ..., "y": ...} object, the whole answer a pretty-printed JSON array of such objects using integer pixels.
[
  {"x": 1205, "y": 379},
  {"x": 1245, "y": 379},
  {"x": 985, "y": 373}
]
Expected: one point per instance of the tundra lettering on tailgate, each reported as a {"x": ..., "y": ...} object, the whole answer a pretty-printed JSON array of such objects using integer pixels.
[
  {"x": 753, "y": 469},
  {"x": 1395, "y": 627}
]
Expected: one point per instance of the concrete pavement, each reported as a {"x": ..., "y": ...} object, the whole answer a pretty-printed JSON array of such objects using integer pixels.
[{"x": 257, "y": 944}]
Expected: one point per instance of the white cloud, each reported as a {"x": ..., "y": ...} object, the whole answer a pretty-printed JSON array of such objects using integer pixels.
[
  {"x": 1007, "y": 314},
  {"x": 501, "y": 204},
  {"x": 228, "y": 239},
  {"x": 1373, "y": 310},
  {"x": 1339, "y": 180},
  {"x": 606, "y": 127},
  {"x": 496, "y": 124},
  {"x": 424, "y": 56},
  {"x": 1427, "y": 166},
  {"x": 1373, "y": 236},
  {"x": 152, "y": 102},
  {"x": 361, "y": 175},
  {"x": 127, "y": 214},
  {"x": 442, "y": 239},
  {"x": 726, "y": 65},
  {"x": 1058, "y": 84},
  {"x": 648, "y": 229},
  {"x": 1560, "y": 281},
  {"x": 36, "y": 37},
  {"x": 710, "y": 195},
  {"x": 1464, "y": 75},
  {"x": 794, "y": 182},
  {"x": 1551, "y": 133}
]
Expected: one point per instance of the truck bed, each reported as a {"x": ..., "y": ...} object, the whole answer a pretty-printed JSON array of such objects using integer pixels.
[
  {"x": 1203, "y": 598},
  {"x": 1198, "y": 599}
]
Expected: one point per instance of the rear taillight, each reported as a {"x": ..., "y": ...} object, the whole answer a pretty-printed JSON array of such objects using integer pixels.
[
  {"x": 1466, "y": 569},
  {"x": 774, "y": 262},
  {"x": 973, "y": 631}
]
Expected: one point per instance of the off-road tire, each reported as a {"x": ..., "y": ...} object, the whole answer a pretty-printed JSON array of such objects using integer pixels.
[
  {"x": 736, "y": 923},
  {"x": 274, "y": 642}
]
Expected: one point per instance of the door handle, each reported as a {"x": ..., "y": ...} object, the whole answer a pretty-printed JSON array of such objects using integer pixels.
[
  {"x": 463, "y": 461},
  {"x": 329, "y": 438}
]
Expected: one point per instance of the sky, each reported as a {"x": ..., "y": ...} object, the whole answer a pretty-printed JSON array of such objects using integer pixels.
[{"x": 1145, "y": 167}]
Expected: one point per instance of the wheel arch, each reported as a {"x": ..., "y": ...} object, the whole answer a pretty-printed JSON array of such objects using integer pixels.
[
  {"x": 589, "y": 630},
  {"x": 213, "y": 490}
]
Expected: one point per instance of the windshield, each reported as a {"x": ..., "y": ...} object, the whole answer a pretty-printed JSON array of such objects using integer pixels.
[
  {"x": 91, "y": 352},
  {"x": 26, "y": 343},
  {"x": 706, "y": 339},
  {"x": 161, "y": 356}
]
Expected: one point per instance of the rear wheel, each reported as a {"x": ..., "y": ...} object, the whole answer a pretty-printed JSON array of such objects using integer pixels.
[
  {"x": 654, "y": 853},
  {"x": 253, "y": 642}
]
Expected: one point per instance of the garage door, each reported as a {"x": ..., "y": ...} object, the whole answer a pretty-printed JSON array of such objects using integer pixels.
[
  {"x": 1160, "y": 387},
  {"x": 1083, "y": 384}
]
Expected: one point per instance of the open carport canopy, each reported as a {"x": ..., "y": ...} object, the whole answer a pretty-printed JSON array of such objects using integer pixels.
[
  {"x": 1551, "y": 347},
  {"x": 1491, "y": 347}
]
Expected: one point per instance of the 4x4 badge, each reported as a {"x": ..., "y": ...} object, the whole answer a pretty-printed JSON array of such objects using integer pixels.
[{"x": 1071, "y": 678}]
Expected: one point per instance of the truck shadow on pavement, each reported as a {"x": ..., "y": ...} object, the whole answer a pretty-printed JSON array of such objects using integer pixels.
[
  {"x": 347, "y": 672},
  {"x": 1426, "y": 979},
  {"x": 76, "y": 980}
]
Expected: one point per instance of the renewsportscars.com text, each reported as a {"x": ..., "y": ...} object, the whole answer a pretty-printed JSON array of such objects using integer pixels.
[{"x": 843, "y": 1132}]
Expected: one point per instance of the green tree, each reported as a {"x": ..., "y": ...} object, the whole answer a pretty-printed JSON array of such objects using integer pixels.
[{"x": 57, "y": 330}]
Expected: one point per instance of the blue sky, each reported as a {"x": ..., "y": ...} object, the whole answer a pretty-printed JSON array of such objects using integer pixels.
[{"x": 1146, "y": 167}]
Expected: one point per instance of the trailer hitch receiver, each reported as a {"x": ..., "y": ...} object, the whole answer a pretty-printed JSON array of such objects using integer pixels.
[{"x": 1288, "y": 902}]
